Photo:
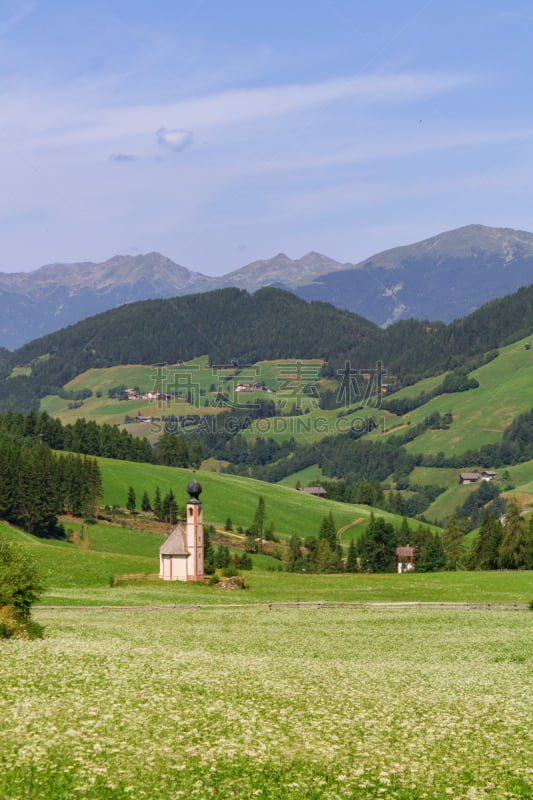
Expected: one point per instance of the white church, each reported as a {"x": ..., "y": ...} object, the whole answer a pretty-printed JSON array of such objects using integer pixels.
[{"x": 181, "y": 557}]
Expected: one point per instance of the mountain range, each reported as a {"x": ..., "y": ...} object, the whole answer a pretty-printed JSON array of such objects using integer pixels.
[{"x": 441, "y": 278}]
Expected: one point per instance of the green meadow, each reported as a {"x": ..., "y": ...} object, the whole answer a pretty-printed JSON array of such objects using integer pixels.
[
  {"x": 237, "y": 497},
  {"x": 479, "y": 415},
  {"x": 176, "y": 379},
  {"x": 208, "y": 692},
  {"x": 281, "y": 704},
  {"x": 304, "y": 477},
  {"x": 82, "y": 574}
]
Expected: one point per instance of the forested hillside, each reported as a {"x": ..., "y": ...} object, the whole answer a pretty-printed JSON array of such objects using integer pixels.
[{"x": 232, "y": 326}]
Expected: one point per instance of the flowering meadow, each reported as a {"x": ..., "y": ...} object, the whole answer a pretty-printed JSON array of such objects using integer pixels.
[{"x": 288, "y": 704}]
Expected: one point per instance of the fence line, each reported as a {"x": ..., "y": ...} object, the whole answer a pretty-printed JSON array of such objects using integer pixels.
[{"x": 313, "y": 605}]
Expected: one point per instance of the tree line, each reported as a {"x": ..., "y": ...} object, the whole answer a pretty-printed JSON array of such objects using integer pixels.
[
  {"x": 506, "y": 544},
  {"x": 37, "y": 485}
]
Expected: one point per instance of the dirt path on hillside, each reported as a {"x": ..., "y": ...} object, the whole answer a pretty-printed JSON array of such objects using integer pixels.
[{"x": 344, "y": 528}]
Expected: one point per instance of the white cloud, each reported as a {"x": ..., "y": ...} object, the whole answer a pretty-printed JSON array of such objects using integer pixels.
[
  {"x": 73, "y": 117},
  {"x": 174, "y": 139}
]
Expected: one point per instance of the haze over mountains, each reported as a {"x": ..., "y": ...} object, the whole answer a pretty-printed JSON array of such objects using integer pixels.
[{"x": 444, "y": 277}]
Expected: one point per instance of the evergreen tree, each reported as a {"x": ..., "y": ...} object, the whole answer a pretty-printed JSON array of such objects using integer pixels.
[
  {"x": 486, "y": 546},
  {"x": 169, "y": 508},
  {"x": 404, "y": 534},
  {"x": 196, "y": 454},
  {"x": 222, "y": 557},
  {"x": 209, "y": 552},
  {"x": 376, "y": 547},
  {"x": 328, "y": 531},
  {"x": 245, "y": 561},
  {"x": 295, "y": 560},
  {"x": 528, "y": 564},
  {"x": 432, "y": 556},
  {"x": 325, "y": 557},
  {"x": 145, "y": 502},
  {"x": 514, "y": 544},
  {"x": 172, "y": 450},
  {"x": 131, "y": 502},
  {"x": 351, "y": 560},
  {"x": 251, "y": 534},
  {"x": 452, "y": 541}
]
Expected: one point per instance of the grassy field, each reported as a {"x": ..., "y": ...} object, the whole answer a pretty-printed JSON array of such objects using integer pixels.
[
  {"x": 285, "y": 705},
  {"x": 480, "y": 415},
  {"x": 236, "y": 497},
  {"x": 305, "y": 477},
  {"x": 176, "y": 379},
  {"x": 77, "y": 575}
]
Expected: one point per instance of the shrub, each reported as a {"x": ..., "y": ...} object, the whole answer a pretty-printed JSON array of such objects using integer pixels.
[
  {"x": 20, "y": 585},
  {"x": 230, "y": 572}
]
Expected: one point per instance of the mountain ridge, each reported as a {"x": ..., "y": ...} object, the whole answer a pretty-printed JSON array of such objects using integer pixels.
[{"x": 442, "y": 277}]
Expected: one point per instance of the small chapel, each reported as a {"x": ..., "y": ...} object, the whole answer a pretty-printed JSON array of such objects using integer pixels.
[{"x": 181, "y": 556}]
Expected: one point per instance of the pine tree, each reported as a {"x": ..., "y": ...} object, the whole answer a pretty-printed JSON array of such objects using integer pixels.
[
  {"x": 328, "y": 531},
  {"x": 404, "y": 534},
  {"x": 209, "y": 552},
  {"x": 323, "y": 562},
  {"x": 432, "y": 556},
  {"x": 196, "y": 454},
  {"x": 251, "y": 534},
  {"x": 376, "y": 547},
  {"x": 145, "y": 502},
  {"x": 486, "y": 546},
  {"x": 452, "y": 541},
  {"x": 222, "y": 557},
  {"x": 351, "y": 560},
  {"x": 131, "y": 501},
  {"x": 514, "y": 544},
  {"x": 295, "y": 561},
  {"x": 169, "y": 508}
]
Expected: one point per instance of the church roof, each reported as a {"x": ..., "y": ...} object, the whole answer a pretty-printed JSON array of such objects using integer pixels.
[{"x": 176, "y": 543}]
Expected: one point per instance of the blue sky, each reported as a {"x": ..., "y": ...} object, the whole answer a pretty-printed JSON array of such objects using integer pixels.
[{"x": 222, "y": 132}]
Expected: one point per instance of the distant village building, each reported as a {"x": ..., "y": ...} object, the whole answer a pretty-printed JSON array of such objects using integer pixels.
[
  {"x": 468, "y": 477},
  {"x": 181, "y": 556},
  {"x": 157, "y": 396},
  {"x": 316, "y": 491},
  {"x": 405, "y": 559},
  {"x": 250, "y": 387},
  {"x": 489, "y": 475}
]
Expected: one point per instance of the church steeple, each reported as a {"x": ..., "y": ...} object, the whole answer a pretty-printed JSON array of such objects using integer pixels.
[
  {"x": 194, "y": 526},
  {"x": 194, "y": 490}
]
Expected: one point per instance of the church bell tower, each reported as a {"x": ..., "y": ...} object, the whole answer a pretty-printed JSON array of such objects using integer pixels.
[{"x": 194, "y": 527}]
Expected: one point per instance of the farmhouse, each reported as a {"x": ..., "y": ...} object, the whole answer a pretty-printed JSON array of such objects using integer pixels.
[
  {"x": 316, "y": 491},
  {"x": 489, "y": 475},
  {"x": 468, "y": 477},
  {"x": 405, "y": 559},
  {"x": 181, "y": 556},
  {"x": 157, "y": 396}
]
